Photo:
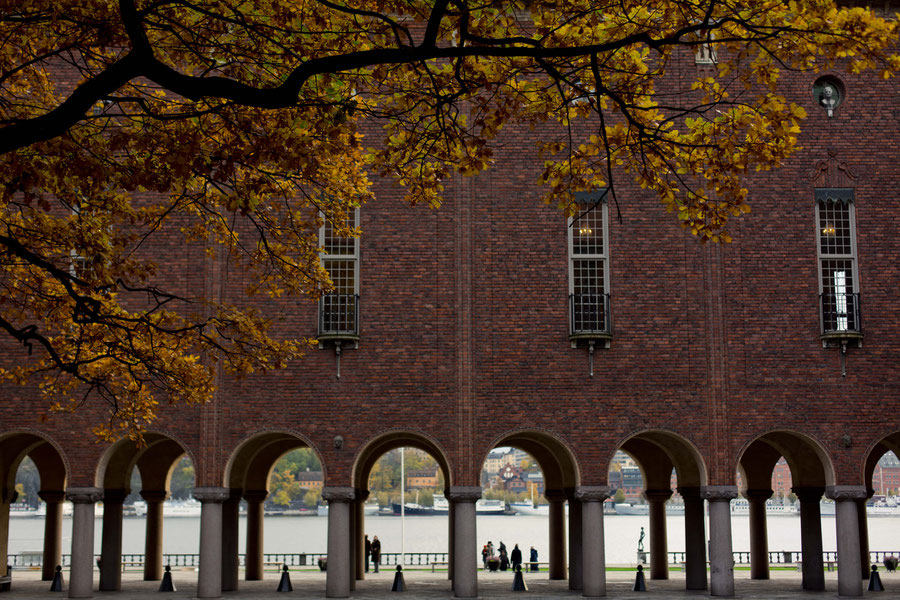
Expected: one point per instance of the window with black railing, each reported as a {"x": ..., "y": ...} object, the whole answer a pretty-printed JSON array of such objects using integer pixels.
[
  {"x": 840, "y": 313},
  {"x": 339, "y": 314},
  {"x": 589, "y": 313},
  {"x": 838, "y": 285}
]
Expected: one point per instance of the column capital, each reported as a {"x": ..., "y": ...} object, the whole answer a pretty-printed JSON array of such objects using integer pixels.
[
  {"x": 808, "y": 493},
  {"x": 338, "y": 494},
  {"x": 555, "y": 495},
  {"x": 256, "y": 495},
  {"x": 234, "y": 495},
  {"x": 154, "y": 495},
  {"x": 213, "y": 495},
  {"x": 758, "y": 494},
  {"x": 83, "y": 495},
  {"x": 9, "y": 496},
  {"x": 657, "y": 495},
  {"x": 52, "y": 495},
  {"x": 842, "y": 493},
  {"x": 464, "y": 493},
  {"x": 719, "y": 493},
  {"x": 114, "y": 496},
  {"x": 592, "y": 493},
  {"x": 689, "y": 492},
  {"x": 362, "y": 495}
]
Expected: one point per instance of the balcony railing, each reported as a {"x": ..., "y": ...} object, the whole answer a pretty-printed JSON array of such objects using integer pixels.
[
  {"x": 339, "y": 315},
  {"x": 840, "y": 314},
  {"x": 589, "y": 315}
]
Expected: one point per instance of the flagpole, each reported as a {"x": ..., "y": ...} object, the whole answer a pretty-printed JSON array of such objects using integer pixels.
[{"x": 402, "y": 507}]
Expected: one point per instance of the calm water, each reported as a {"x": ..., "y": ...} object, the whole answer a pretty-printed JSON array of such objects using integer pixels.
[{"x": 429, "y": 534}]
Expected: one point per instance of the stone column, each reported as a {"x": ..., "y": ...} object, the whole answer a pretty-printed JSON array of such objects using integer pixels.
[
  {"x": 557, "y": 556},
  {"x": 593, "y": 560},
  {"x": 811, "y": 537},
  {"x": 694, "y": 539},
  {"x": 338, "y": 575},
  {"x": 253, "y": 559},
  {"x": 864, "y": 534},
  {"x": 465, "y": 546},
  {"x": 359, "y": 532},
  {"x": 659, "y": 546},
  {"x": 576, "y": 543},
  {"x": 153, "y": 549},
  {"x": 230, "y": 551},
  {"x": 759, "y": 536},
  {"x": 9, "y": 496},
  {"x": 81, "y": 577},
  {"x": 52, "y": 532},
  {"x": 111, "y": 540},
  {"x": 209, "y": 581},
  {"x": 451, "y": 538},
  {"x": 721, "y": 558},
  {"x": 847, "y": 523}
]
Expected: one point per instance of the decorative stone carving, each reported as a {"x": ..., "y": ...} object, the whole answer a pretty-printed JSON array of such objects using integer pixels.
[
  {"x": 689, "y": 493},
  {"x": 843, "y": 493},
  {"x": 154, "y": 495},
  {"x": 362, "y": 495},
  {"x": 84, "y": 495},
  {"x": 113, "y": 496},
  {"x": 829, "y": 93},
  {"x": 256, "y": 495},
  {"x": 592, "y": 493},
  {"x": 215, "y": 495},
  {"x": 464, "y": 493},
  {"x": 719, "y": 493},
  {"x": 555, "y": 495},
  {"x": 50, "y": 496},
  {"x": 758, "y": 494},
  {"x": 338, "y": 494},
  {"x": 657, "y": 495}
]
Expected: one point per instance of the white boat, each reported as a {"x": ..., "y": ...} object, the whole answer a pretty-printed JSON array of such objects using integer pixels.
[
  {"x": 371, "y": 508},
  {"x": 181, "y": 508},
  {"x": 741, "y": 506},
  {"x": 625, "y": 508},
  {"x": 490, "y": 507},
  {"x": 527, "y": 508},
  {"x": 322, "y": 510}
]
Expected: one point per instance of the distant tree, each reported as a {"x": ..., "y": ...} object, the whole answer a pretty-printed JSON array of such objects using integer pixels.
[
  {"x": 182, "y": 483},
  {"x": 28, "y": 482},
  {"x": 235, "y": 126},
  {"x": 620, "y": 496}
]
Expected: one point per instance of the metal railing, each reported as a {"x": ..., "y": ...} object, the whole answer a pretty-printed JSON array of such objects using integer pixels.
[
  {"x": 339, "y": 314},
  {"x": 840, "y": 313},
  {"x": 589, "y": 313}
]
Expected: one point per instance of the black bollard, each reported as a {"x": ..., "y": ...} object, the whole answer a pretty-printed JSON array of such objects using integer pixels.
[
  {"x": 57, "y": 584},
  {"x": 399, "y": 582},
  {"x": 519, "y": 581},
  {"x": 285, "y": 584},
  {"x": 875, "y": 581},
  {"x": 166, "y": 584},
  {"x": 639, "y": 584}
]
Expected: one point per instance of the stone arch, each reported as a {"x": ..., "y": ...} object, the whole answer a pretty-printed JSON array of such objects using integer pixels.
[
  {"x": 889, "y": 443},
  {"x": 810, "y": 465},
  {"x": 401, "y": 438},
  {"x": 556, "y": 459},
  {"x": 155, "y": 459},
  {"x": 43, "y": 450},
  {"x": 658, "y": 451},
  {"x": 250, "y": 464}
]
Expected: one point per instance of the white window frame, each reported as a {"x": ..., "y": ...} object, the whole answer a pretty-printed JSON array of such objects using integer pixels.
[
  {"x": 597, "y": 201},
  {"x": 825, "y": 195}
]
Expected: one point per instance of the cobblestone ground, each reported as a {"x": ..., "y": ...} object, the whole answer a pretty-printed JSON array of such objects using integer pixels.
[{"x": 311, "y": 584}]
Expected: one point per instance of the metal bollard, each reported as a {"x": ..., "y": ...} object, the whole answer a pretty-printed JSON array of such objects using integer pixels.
[
  {"x": 399, "y": 583},
  {"x": 285, "y": 584}
]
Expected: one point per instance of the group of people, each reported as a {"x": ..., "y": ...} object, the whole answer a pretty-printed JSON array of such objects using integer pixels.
[
  {"x": 373, "y": 552},
  {"x": 513, "y": 559}
]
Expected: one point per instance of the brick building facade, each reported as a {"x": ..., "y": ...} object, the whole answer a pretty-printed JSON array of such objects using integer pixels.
[{"x": 720, "y": 358}]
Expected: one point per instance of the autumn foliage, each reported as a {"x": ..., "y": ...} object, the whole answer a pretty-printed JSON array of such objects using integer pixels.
[{"x": 236, "y": 124}]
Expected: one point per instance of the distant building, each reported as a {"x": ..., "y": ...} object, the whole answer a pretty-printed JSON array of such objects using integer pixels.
[
  {"x": 310, "y": 480},
  {"x": 426, "y": 478}
]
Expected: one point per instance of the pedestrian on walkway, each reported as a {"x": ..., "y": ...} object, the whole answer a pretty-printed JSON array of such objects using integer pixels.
[
  {"x": 376, "y": 552},
  {"x": 368, "y": 552},
  {"x": 515, "y": 557},
  {"x": 533, "y": 559}
]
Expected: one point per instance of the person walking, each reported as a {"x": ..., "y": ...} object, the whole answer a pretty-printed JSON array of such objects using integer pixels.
[
  {"x": 515, "y": 557},
  {"x": 504, "y": 557},
  {"x": 533, "y": 559},
  {"x": 485, "y": 552},
  {"x": 376, "y": 552},
  {"x": 368, "y": 552}
]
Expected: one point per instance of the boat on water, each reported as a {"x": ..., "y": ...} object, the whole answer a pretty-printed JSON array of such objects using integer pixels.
[
  {"x": 741, "y": 506},
  {"x": 181, "y": 508},
  {"x": 626, "y": 508},
  {"x": 528, "y": 508},
  {"x": 412, "y": 509}
]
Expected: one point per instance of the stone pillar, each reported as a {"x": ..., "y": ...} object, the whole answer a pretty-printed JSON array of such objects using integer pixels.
[
  {"x": 721, "y": 558},
  {"x": 359, "y": 532},
  {"x": 9, "y": 496},
  {"x": 451, "y": 538},
  {"x": 111, "y": 540},
  {"x": 694, "y": 539},
  {"x": 576, "y": 531},
  {"x": 811, "y": 537},
  {"x": 52, "y": 532},
  {"x": 153, "y": 548},
  {"x": 759, "y": 536},
  {"x": 253, "y": 559},
  {"x": 230, "y": 551},
  {"x": 864, "y": 534},
  {"x": 338, "y": 575},
  {"x": 847, "y": 523},
  {"x": 593, "y": 560},
  {"x": 81, "y": 577},
  {"x": 352, "y": 513},
  {"x": 209, "y": 581},
  {"x": 557, "y": 556},
  {"x": 465, "y": 546},
  {"x": 659, "y": 546}
]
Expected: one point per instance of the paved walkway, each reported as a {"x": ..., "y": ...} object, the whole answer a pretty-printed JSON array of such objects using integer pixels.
[{"x": 784, "y": 585}]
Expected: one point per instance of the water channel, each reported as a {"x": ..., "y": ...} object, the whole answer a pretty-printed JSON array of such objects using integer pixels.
[{"x": 429, "y": 534}]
